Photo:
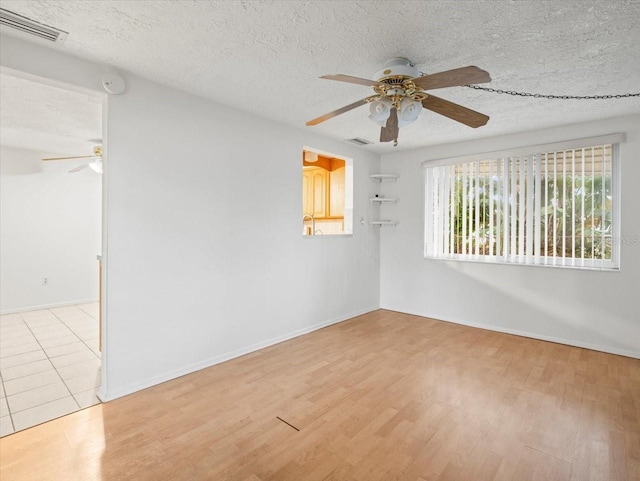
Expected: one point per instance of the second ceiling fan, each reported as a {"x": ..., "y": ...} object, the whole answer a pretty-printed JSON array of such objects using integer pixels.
[
  {"x": 95, "y": 164},
  {"x": 400, "y": 96}
]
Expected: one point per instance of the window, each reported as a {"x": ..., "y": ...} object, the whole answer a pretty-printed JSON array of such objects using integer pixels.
[
  {"x": 550, "y": 205},
  {"x": 327, "y": 193}
]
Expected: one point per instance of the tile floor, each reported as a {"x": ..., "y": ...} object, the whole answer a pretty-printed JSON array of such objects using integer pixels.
[{"x": 49, "y": 364}]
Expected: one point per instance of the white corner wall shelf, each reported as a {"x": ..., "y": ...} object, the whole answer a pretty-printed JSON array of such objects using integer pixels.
[
  {"x": 383, "y": 177},
  {"x": 382, "y": 222},
  {"x": 383, "y": 200}
]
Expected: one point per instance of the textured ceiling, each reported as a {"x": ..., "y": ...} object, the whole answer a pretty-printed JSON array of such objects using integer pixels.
[
  {"x": 49, "y": 119},
  {"x": 265, "y": 57}
]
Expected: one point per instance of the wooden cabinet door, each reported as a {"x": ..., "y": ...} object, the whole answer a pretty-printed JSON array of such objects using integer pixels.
[
  {"x": 307, "y": 193},
  {"x": 319, "y": 193},
  {"x": 314, "y": 192},
  {"x": 323, "y": 192},
  {"x": 336, "y": 192}
]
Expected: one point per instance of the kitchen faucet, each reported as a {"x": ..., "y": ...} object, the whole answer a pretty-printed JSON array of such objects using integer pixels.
[{"x": 307, "y": 217}]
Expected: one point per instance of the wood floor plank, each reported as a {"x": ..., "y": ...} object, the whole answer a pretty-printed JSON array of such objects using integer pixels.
[{"x": 378, "y": 397}]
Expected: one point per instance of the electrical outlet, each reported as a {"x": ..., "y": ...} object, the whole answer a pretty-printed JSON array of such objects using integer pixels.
[{"x": 45, "y": 281}]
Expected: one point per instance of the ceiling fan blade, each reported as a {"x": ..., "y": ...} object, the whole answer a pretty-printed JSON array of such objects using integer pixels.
[
  {"x": 353, "y": 80},
  {"x": 390, "y": 131},
  {"x": 455, "y": 112},
  {"x": 337, "y": 112},
  {"x": 78, "y": 169},
  {"x": 67, "y": 158},
  {"x": 453, "y": 78}
]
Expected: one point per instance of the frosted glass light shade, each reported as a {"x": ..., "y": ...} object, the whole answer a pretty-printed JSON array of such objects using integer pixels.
[
  {"x": 380, "y": 111},
  {"x": 96, "y": 166},
  {"x": 409, "y": 111}
]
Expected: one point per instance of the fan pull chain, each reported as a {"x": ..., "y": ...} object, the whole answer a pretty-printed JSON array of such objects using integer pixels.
[{"x": 553, "y": 97}]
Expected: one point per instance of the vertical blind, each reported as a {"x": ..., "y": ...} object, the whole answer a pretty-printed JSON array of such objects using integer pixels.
[{"x": 550, "y": 208}]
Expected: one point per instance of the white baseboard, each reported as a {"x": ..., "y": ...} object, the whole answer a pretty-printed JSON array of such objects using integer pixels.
[
  {"x": 107, "y": 395},
  {"x": 47, "y": 306},
  {"x": 531, "y": 335}
]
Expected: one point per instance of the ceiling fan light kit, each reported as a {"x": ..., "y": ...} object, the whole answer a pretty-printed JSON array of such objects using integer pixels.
[{"x": 400, "y": 96}]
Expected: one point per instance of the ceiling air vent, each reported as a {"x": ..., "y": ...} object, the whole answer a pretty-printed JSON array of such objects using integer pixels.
[
  {"x": 31, "y": 28},
  {"x": 359, "y": 141}
]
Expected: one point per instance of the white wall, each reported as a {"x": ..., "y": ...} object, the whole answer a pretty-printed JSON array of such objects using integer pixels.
[
  {"x": 49, "y": 227},
  {"x": 205, "y": 256},
  {"x": 584, "y": 308},
  {"x": 205, "y": 259}
]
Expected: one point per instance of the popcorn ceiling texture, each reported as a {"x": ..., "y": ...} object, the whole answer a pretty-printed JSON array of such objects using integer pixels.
[
  {"x": 40, "y": 117},
  {"x": 265, "y": 57}
]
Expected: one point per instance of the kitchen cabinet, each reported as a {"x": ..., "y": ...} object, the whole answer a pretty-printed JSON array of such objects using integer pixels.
[
  {"x": 336, "y": 192},
  {"x": 314, "y": 192},
  {"x": 323, "y": 192}
]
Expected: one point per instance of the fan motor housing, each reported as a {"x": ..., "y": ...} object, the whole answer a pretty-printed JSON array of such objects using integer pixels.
[
  {"x": 397, "y": 67},
  {"x": 395, "y": 72}
]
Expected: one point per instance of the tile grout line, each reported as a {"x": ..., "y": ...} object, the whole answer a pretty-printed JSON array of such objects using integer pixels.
[
  {"x": 54, "y": 368},
  {"x": 6, "y": 395},
  {"x": 74, "y": 332},
  {"x": 81, "y": 340},
  {"x": 19, "y": 352},
  {"x": 48, "y": 358},
  {"x": 25, "y": 364},
  {"x": 13, "y": 426}
]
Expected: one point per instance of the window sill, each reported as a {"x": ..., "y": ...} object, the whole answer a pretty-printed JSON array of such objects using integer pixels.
[
  {"x": 325, "y": 235},
  {"x": 610, "y": 267}
]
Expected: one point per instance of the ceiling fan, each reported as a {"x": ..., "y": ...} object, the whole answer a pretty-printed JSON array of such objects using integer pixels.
[
  {"x": 400, "y": 96},
  {"x": 95, "y": 164}
]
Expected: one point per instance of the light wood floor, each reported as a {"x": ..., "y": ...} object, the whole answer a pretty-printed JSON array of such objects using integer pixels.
[{"x": 384, "y": 396}]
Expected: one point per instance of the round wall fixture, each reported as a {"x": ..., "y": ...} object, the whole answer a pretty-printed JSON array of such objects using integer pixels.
[{"x": 113, "y": 83}]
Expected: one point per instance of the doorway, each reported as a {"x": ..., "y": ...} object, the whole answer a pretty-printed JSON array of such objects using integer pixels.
[{"x": 51, "y": 226}]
